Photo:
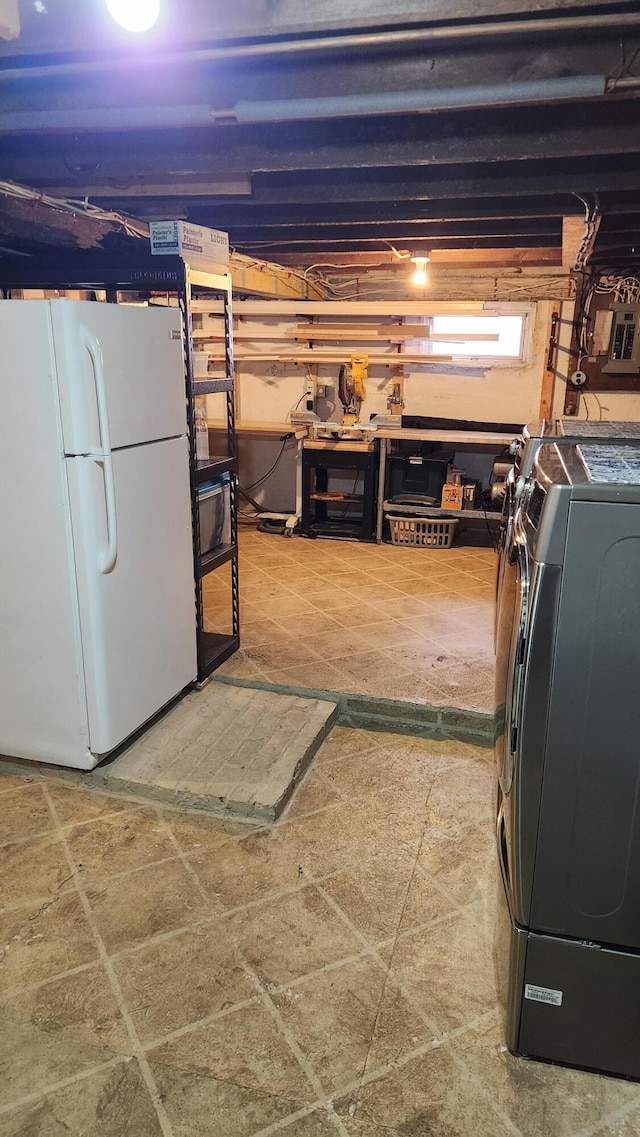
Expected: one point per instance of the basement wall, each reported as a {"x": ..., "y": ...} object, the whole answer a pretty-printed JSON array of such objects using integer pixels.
[{"x": 267, "y": 392}]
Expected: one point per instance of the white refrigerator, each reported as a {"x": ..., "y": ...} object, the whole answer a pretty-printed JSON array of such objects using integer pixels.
[{"x": 97, "y": 596}]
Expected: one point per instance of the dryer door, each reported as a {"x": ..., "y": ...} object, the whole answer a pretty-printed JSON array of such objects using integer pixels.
[{"x": 510, "y": 655}]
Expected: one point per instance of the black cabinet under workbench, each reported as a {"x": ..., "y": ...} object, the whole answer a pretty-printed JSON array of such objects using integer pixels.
[{"x": 339, "y": 489}]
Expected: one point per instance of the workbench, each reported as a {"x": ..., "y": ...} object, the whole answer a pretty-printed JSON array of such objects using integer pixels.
[{"x": 480, "y": 439}]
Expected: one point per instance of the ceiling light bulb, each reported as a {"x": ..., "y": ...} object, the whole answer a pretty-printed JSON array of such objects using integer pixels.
[
  {"x": 420, "y": 277},
  {"x": 134, "y": 15}
]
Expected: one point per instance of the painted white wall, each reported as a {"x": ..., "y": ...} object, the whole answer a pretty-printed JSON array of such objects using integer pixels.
[{"x": 268, "y": 391}]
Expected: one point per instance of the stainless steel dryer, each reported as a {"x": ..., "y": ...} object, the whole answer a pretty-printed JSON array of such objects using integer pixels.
[{"x": 568, "y": 757}]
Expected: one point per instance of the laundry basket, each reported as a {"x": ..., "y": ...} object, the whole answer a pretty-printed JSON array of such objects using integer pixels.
[{"x": 422, "y": 532}]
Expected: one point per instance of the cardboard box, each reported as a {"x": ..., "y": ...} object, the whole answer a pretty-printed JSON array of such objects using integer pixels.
[
  {"x": 191, "y": 242},
  {"x": 452, "y": 496}
]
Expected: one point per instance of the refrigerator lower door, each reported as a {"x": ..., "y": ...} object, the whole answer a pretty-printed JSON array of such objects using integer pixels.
[
  {"x": 134, "y": 567},
  {"x": 581, "y": 1006}
]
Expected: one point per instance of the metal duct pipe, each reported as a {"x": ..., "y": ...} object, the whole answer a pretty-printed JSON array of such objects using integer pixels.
[
  {"x": 108, "y": 118},
  {"x": 348, "y": 42},
  {"x": 279, "y": 110},
  {"x": 417, "y": 102}
]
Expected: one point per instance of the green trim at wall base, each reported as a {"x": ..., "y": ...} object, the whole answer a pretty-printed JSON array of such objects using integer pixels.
[{"x": 393, "y": 715}]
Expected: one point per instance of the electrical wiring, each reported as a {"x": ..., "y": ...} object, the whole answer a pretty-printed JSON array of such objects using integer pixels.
[
  {"x": 77, "y": 207},
  {"x": 303, "y": 396},
  {"x": 270, "y": 471},
  {"x": 597, "y": 400}
]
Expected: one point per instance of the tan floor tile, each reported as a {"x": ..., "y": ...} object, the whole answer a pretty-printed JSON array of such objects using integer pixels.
[
  {"x": 180, "y": 980},
  {"x": 314, "y": 793},
  {"x": 351, "y": 612},
  {"x": 195, "y": 1100},
  {"x": 10, "y": 782},
  {"x": 285, "y": 939},
  {"x": 420, "y": 655},
  {"x": 35, "y": 870},
  {"x": 386, "y": 634},
  {"x": 392, "y": 683},
  {"x": 428, "y": 1096},
  {"x": 24, "y": 813},
  {"x": 241, "y": 666},
  {"x": 626, "y": 1126},
  {"x": 335, "y": 1017},
  {"x": 542, "y": 1099},
  {"x": 362, "y": 833},
  {"x": 448, "y": 971},
  {"x": 365, "y": 667},
  {"x": 134, "y": 908},
  {"x": 246, "y": 870},
  {"x": 200, "y": 832},
  {"x": 57, "y": 1030},
  {"x": 257, "y": 631},
  {"x": 318, "y": 676},
  {"x": 273, "y": 590},
  {"x": 345, "y": 741},
  {"x": 73, "y": 804},
  {"x": 404, "y": 778},
  {"x": 424, "y": 902},
  {"x": 292, "y": 606},
  {"x": 464, "y": 792},
  {"x": 292, "y": 651},
  {"x": 245, "y": 1049},
  {"x": 112, "y": 1102},
  {"x": 379, "y": 900},
  {"x": 340, "y": 643},
  {"x": 123, "y": 841},
  {"x": 39, "y": 942},
  {"x": 317, "y": 1124},
  {"x": 312, "y": 623},
  {"x": 462, "y": 864}
]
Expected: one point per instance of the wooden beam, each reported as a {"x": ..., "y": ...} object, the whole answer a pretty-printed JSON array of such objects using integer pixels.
[
  {"x": 573, "y": 233},
  {"x": 388, "y": 334},
  {"x": 355, "y": 307},
  {"x": 497, "y": 258},
  {"x": 270, "y": 280},
  {"x": 383, "y": 359}
]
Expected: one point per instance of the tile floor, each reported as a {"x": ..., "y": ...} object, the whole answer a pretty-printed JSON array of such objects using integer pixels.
[
  {"x": 168, "y": 973},
  {"x": 395, "y": 623}
]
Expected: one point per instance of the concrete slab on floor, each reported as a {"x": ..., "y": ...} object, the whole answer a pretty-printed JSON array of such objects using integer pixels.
[{"x": 233, "y": 751}]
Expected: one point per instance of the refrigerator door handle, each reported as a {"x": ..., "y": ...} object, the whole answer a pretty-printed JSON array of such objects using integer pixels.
[{"x": 107, "y": 558}]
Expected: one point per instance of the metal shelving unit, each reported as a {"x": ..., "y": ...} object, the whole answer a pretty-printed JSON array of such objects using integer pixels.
[{"x": 132, "y": 269}]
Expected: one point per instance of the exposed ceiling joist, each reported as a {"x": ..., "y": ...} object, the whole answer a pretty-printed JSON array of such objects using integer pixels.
[{"x": 157, "y": 131}]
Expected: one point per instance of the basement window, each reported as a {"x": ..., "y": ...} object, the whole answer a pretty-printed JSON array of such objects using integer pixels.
[{"x": 498, "y": 337}]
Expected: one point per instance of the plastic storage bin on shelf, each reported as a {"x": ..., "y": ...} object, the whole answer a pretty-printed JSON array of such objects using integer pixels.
[
  {"x": 215, "y": 515},
  {"x": 422, "y": 533}
]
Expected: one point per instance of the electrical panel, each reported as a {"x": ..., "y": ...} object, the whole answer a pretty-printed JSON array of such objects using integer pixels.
[{"x": 624, "y": 344}]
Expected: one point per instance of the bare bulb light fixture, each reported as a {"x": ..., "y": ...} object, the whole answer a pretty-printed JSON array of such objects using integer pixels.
[
  {"x": 420, "y": 277},
  {"x": 134, "y": 15}
]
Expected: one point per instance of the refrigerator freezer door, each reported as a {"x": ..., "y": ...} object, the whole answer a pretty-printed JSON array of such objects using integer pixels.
[
  {"x": 138, "y": 617},
  {"x": 120, "y": 374}
]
